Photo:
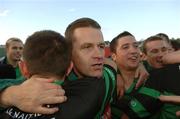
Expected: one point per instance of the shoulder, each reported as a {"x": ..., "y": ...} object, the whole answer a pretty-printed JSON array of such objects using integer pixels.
[
  {"x": 109, "y": 71},
  {"x": 86, "y": 94},
  {"x": 83, "y": 85},
  {"x": 106, "y": 66},
  {"x": 7, "y": 71}
]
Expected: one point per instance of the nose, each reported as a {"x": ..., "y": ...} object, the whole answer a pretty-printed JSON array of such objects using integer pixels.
[
  {"x": 133, "y": 49},
  {"x": 19, "y": 49},
  {"x": 98, "y": 53},
  {"x": 162, "y": 53}
]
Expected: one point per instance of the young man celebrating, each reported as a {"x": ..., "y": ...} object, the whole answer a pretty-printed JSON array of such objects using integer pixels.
[
  {"x": 145, "y": 103},
  {"x": 14, "y": 48},
  {"x": 126, "y": 54}
]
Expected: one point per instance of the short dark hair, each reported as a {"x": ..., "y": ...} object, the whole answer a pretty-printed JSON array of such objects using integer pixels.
[
  {"x": 113, "y": 43},
  {"x": 47, "y": 52},
  {"x": 149, "y": 39},
  {"x": 82, "y": 22}
]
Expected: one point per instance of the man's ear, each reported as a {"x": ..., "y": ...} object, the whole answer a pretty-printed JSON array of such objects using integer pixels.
[
  {"x": 70, "y": 68},
  {"x": 144, "y": 57},
  {"x": 113, "y": 56},
  {"x": 23, "y": 68}
]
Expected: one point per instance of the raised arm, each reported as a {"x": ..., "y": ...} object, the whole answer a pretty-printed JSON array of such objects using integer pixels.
[
  {"x": 141, "y": 74},
  {"x": 171, "y": 58}
]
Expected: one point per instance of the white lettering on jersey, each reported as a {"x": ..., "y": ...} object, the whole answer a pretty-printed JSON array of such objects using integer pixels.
[{"x": 20, "y": 115}]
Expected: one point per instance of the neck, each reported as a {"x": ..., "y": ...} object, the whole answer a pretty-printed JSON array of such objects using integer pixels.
[
  {"x": 128, "y": 77},
  {"x": 12, "y": 62},
  {"x": 51, "y": 76},
  {"x": 77, "y": 73}
]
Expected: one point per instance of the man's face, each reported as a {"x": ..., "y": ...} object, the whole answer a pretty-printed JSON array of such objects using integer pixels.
[
  {"x": 14, "y": 51},
  {"x": 88, "y": 51},
  {"x": 127, "y": 54},
  {"x": 155, "y": 50}
]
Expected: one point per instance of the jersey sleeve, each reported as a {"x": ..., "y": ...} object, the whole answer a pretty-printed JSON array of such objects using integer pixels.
[
  {"x": 4, "y": 83},
  {"x": 111, "y": 69},
  {"x": 144, "y": 102},
  {"x": 110, "y": 77}
]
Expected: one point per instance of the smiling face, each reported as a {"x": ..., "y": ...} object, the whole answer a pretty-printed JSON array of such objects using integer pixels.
[
  {"x": 155, "y": 50},
  {"x": 88, "y": 51},
  {"x": 127, "y": 55}
]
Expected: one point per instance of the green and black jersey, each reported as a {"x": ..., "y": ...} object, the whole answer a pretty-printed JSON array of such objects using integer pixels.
[
  {"x": 85, "y": 97},
  {"x": 7, "y": 71},
  {"x": 109, "y": 86},
  {"x": 13, "y": 73},
  {"x": 144, "y": 102},
  {"x": 4, "y": 83},
  {"x": 117, "y": 110}
]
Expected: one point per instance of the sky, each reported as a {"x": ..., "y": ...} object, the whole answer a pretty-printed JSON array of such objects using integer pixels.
[{"x": 143, "y": 18}]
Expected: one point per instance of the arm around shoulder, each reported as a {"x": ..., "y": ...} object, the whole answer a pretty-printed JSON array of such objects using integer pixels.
[
  {"x": 6, "y": 96},
  {"x": 172, "y": 58}
]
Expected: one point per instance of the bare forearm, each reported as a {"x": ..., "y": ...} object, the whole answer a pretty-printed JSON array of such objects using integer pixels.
[
  {"x": 32, "y": 95},
  {"x": 6, "y": 96},
  {"x": 172, "y": 58},
  {"x": 141, "y": 74},
  {"x": 175, "y": 99}
]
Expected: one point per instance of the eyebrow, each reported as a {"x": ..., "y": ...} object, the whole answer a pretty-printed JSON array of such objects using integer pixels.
[
  {"x": 102, "y": 43},
  {"x": 130, "y": 43}
]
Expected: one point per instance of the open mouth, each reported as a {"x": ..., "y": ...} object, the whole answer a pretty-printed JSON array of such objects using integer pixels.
[
  {"x": 159, "y": 61},
  {"x": 97, "y": 66},
  {"x": 133, "y": 58}
]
